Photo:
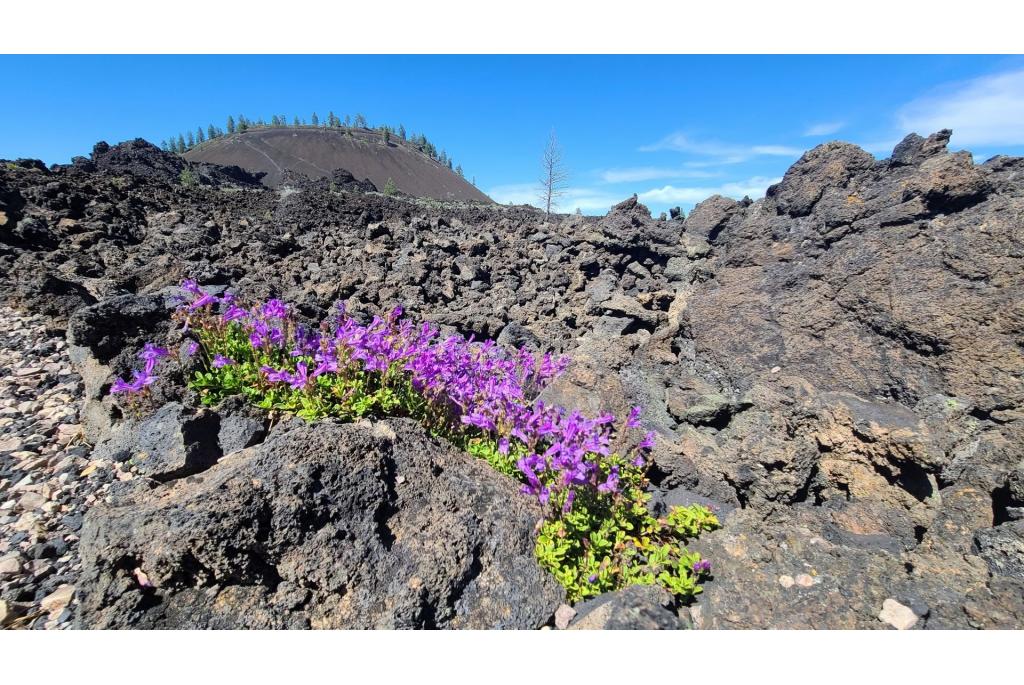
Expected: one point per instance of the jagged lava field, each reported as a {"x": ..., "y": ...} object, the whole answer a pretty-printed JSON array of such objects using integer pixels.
[{"x": 835, "y": 370}]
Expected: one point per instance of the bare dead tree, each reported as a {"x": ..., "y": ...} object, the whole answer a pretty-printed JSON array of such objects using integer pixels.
[{"x": 554, "y": 178}]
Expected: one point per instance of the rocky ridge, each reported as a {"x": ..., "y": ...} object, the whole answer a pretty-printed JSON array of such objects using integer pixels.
[{"x": 837, "y": 367}]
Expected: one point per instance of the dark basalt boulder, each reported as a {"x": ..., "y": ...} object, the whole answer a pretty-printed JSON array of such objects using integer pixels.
[{"x": 324, "y": 525}]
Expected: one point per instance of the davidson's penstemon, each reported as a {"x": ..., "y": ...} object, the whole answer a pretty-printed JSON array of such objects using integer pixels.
[{"x": 588, "y": 473}]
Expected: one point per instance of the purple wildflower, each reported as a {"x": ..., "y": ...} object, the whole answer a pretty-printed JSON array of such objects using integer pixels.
[
  {"x": 202, "y": 301},
  {"x": 633, "y": 420},
  {"x": 192, "y": 348},
  {"x": 300, "y": 379},
  {"x": 275, "y": 309},
  {"x": 140, "y": 379},
  {"x": 220, "y": 361},
  {"x": 234, "y": 313},
  {"x": 702, "y": 566},
  {"x": 151, "y": 352},
  {"x": 612, "y": 482},
  {"x": 275, "y": 376}
]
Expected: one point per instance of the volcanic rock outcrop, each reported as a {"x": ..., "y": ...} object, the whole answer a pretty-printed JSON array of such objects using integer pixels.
[
  {"x": 322, "y": 526},
  {"x": 837, "y": 366}
]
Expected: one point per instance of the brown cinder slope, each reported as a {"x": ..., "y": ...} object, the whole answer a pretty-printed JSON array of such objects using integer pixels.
[{"x": 316, "y": 152}]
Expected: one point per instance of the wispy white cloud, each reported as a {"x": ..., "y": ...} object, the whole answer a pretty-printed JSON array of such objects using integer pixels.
[
  {"x": 650, "y": 173},
  {"x": 515, "y": 193},
  {"x": 825, "y": 128},
  {"x": 726, "y": 153},
  {"x": 988, "y": 110},
  {"x": 587, "y": 199},
  {"x": 752, "y": 187},
  {"x": 600, "y": 200}
]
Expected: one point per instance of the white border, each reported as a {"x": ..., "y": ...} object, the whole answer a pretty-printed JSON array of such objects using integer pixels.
[{"x": 525, "y": 26}]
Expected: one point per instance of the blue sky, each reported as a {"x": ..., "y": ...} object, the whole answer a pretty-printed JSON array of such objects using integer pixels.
[{"x": 674, "y": 129}]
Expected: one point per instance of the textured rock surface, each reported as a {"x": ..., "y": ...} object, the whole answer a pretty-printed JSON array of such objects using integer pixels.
[
  {"x": 322, "y": 526},
  {"x": 639, "y": 607},
  {"x": 837, "y": 366}
]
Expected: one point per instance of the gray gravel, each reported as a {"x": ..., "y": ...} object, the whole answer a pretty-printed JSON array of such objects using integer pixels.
[{"x": 47, "y": 479}]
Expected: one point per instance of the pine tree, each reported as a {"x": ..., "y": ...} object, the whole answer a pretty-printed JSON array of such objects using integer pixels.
[
  {"x": 191, "y": 141},
  {"x": 243, "y": 123},
  {"x": 181, "y": 144},
  {"x": 163, "y": 145},
  {"x": 315, "y": 121},
  {"x": 200, "y": 136},
  {"x": 211, "y": 132},
  {"x": 332, "y": 121},
  {"x": 390, "y": 188},
  {"x": 458, "y": 170},
  {"x": 401, "y": 131},
  {"x": 274, "y": 121},
  {"x": 387, "y": 136},
  {"x": 348, "y": 121},
  {"x": 296, "y": 122},
  {"x": 360, "y": 121},
  {"x": 231, "y": 124}
]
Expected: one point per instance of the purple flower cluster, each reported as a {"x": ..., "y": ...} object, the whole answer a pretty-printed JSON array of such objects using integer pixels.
[
  {"x": 150, "y": 354},
  {"x": 474, "y": 386}
]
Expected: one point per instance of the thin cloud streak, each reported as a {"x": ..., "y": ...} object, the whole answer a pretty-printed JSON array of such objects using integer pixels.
[
  {"x": 586, "y": 199},
  {"x": 752, "y": 187},
  {"x": 726, "y": 153}
]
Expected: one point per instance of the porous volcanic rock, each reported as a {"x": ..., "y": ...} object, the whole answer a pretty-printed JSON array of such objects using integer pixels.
[
  {"x": 837, "y": 365},
  {"x": 324, "y": 525}
]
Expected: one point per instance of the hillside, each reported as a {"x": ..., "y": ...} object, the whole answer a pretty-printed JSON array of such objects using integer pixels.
[{"x": 316, "y": 152}]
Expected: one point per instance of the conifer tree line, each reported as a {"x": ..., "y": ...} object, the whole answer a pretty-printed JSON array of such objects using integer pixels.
[{"x": 183, "y": 142}]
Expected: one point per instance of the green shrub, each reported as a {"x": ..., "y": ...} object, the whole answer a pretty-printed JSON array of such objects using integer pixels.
[{"x": 188, "y": 178}]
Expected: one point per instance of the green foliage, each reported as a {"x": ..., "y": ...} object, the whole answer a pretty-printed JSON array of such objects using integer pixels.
[
  {"x": 188, "y": 178},
  {"x": 390, "y": 188},
  {"x": 231, "y": 124},
  {"x": 612, "y": 541},
  {"x": 347, "y": 396}
]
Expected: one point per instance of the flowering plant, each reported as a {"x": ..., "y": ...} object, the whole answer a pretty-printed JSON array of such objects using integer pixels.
[{"x": 589, "y": 473}]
